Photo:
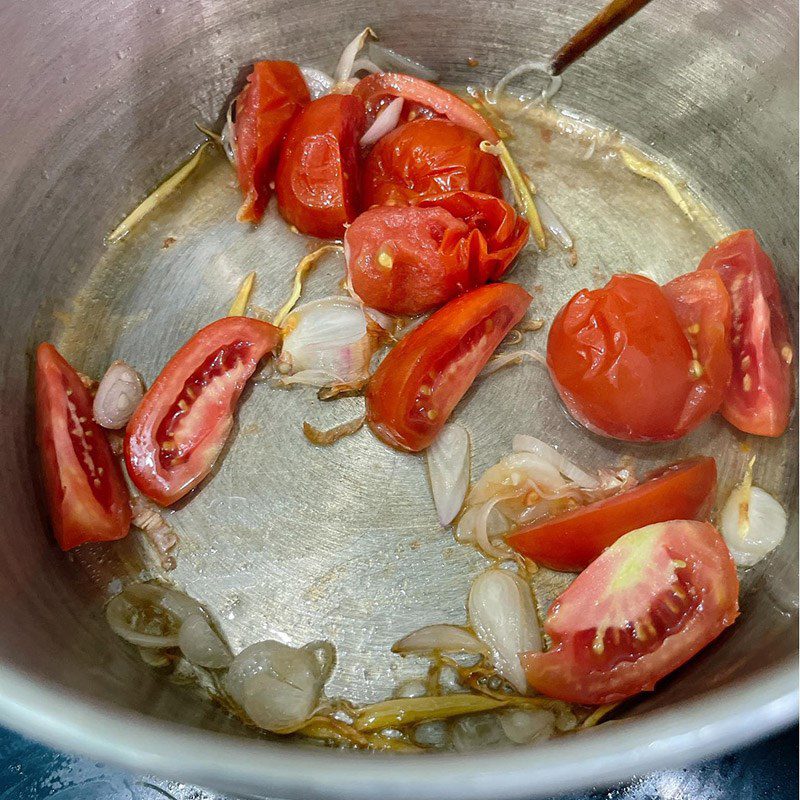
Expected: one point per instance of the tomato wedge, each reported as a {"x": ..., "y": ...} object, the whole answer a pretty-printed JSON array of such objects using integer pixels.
[
  {"x": 183, "y": 421},
  {"x": 86, "y": 493},
  {"x": 317, "y": 181},
  {"x": 417, "y": 386},
  {"x": 623, "y": 363},
  {"x": 274, "y": 93},
  {"x": 703, "y": 308},
  {"x": 654, "y": 599},
  {"x": 405, "y": 260},
  {"x": 571, "y": 541},
  {"x": 375, "y": 89},
  {"x": 424, "y": 158},
  {"x": 759, "y": 397}
]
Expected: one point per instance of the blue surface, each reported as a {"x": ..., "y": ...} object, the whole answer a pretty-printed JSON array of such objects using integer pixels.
[{"x": 765, "y": 771}]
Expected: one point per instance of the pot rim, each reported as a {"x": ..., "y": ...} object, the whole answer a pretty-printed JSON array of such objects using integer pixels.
[{"x": 697, "y": 729}]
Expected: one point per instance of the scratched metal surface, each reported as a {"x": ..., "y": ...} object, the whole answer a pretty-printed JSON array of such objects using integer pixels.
[
  {"x": 296, "y": 543},
  {"x": 765, "y": 771}
]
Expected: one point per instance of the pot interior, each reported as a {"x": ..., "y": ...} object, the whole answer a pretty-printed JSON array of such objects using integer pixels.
[{"x": 291, "y": 542}]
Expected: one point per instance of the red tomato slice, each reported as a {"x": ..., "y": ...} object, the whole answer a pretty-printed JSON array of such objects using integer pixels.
[
  {"x": 571, "y": 541},
  {"x": 417, "y": 386},
  {"x": 759, "y": 396},
  {"x": 183, "y": 421},
  {"x": 654, "y": 599},
  {"x": 374, "y": 90},
  {"x": 622, "y": 363},
  {"x": 317, "y": 182},
  {"x": 424, "y": 158},
  {"x": 86, "y": 493},
  {"x": 703, "y": 308},
  {"x": 274, "y": 93},
  {"x": 405, "y": 260}
]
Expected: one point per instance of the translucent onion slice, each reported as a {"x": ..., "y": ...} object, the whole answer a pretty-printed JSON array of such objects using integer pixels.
[
  {"x": 476, "y": 732},
  {"x": 502, "y": 614},
  {"x": 530, "y": 444},
  {"x": 523, "y": 726},
  {"x": 553, "y": 81},
  {"x": 319, "y": 83},
  {"x": 385, "y": 122},
  {"x": 344, "y": 69},
  {"x": 228, "y": 135},
  {"x": 448, "y": 460},
  {"x": 552, "y": 223},
  {"x": 279, "y": 686},
  {"x": 149, "y": 615},
  {"x": 201, "y": 645},
  {"x": 753, "y": 522},
  {"x": 391, "y": 61},
  {"x": 328, "y": 342},
  {"x": 440, "y": 639}
]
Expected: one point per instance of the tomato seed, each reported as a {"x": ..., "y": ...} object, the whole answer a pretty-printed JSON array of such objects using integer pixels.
[{"x": 747, "y": 382}]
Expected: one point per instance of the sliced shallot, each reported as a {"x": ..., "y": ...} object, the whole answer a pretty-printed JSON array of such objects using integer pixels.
[
  {"x": 523, "y": 725},
  {"x": 344, "y": 69},
  {"x": 552, "y": 223},
  {"x": 502, "y": 614},
  {"x": 319, "y": 83},
  {"x": 118, "y": 394},
  {"x": 448, "y": 460},
  {"x": 149, "y": 615},
  {"x": 385, "y": 122},
  {"x": 279, "y": 686},
  {"x": 201, "y": 644},
  {"x": 392, "y": 61},
  {"x": 752, "y": 522},
  {"x": 440, "y": 639},
  {"x": 530, "y": 444},
  {"x": 326, "y": 342}
]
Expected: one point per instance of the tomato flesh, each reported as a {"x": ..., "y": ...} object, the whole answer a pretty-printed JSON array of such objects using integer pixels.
[
  {"x": 274, "y": 93},
  {"x": 425, "y": 158},
  {"x": 183, "y": 421},
  {"x": 648, "y": 604},
  {"x": 573, "y": 540},
  {"x": 418, "y": 384},
  {"x": 86, "y": 493},
  {"x": 703, "y": 308},
  {"x": 317, "y": 181},
  {"x": 758, "y": 399},
  {"x": 405, "y": 260},
  {"x": 375, "y": 89},
  {"x": 623, "y": 365}
]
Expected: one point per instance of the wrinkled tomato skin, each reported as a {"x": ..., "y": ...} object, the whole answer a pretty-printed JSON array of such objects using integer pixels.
[
  {"x": 405, "y": 260},
  {"x": 759, "y": 396},
  {"x": 570, "y": 542},
  {"x": 646, "y": 606},
  {"x": 703, "y": 308},
  {"x": 86, "y": 493},
  {"x": 424, "y": 158},
  {"x": 184, "y": 419},
  {"x": 376, "y": 89},
  {"x": 317, "y": 182},
  {"x": 621, "y": 361},
  {"x": 418, "y": 384},
  {"x": 274, "y": 94}
]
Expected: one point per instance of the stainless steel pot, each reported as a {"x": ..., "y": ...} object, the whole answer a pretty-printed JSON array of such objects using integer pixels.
[{"x": 97, "y": 101}]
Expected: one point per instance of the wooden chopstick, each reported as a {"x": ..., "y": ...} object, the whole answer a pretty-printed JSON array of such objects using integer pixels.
[{"x": 608, "y": 20}]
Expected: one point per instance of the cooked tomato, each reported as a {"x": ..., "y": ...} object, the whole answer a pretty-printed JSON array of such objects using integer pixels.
[
  {"x": 427, "y": 157},
  {"x": 274, "y": 93},
  {"x": 409, "y": 259},
  {"x": 86, "y": 493},
  {"x": 759, "y": 396},
  {"x": 417, "y": 386},
  {"x": 376, "y": 89},
  {"x": 703, "y": 308},
  {"x": 184, "y": 419},
  {"x": 571, "y": 541},
  {"x": 647, "y": 605},
  {"x": 317, "y": 182},
  {"x": 623, "y": 365}
]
